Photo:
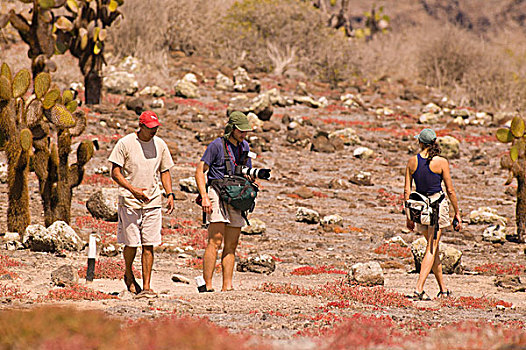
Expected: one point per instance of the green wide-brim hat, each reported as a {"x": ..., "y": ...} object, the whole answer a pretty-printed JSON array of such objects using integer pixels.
[{"x": 239, "y": 120}]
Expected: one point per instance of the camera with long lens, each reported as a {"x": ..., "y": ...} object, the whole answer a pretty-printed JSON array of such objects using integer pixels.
[{"x": 254, "y": 172}]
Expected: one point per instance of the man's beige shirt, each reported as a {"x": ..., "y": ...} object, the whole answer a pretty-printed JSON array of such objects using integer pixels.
[{"x": 141, "y": 163}]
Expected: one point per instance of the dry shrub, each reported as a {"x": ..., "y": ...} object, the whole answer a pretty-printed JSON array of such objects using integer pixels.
[
  {"x": 477, "y": 71},
  {"x": 250, "y": 27}
]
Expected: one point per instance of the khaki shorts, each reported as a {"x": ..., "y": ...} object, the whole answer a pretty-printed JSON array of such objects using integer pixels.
[
  {"x": 139, "y": 227},
  {"x": 232, "y": 216},
  {"x": 443, "y": 214}
]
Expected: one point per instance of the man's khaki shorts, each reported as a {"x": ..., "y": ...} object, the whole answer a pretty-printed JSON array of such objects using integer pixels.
[
  {"x": 443, "y": 214},
  {"x": 138, "y": 227},
  {"x": 232, "y": 216}
]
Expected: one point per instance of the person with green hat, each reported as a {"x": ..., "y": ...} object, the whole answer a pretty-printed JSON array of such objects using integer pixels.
[
  {"x": 224, "y": 221},
  {"x": 427, "y": 169}
]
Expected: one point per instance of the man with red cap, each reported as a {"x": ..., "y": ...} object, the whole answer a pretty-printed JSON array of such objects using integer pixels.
[{"x": 139, "y": 161}]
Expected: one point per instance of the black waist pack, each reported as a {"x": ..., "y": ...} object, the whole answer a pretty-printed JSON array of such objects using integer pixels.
[{"x": 237, "y": 191}]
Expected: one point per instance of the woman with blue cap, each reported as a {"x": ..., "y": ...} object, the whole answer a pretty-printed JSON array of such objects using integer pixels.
[{"x": 427, "y": 169}]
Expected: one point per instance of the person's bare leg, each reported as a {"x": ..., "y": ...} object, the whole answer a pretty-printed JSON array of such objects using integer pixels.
[
  {"x": 147, "y": 264},
  {"x": 427, "y": 261},
  {"x": 228, "y": 258},
  {"x": 216, "y": 231},
  {"x": 129, "y": 256},
  {"x": 437, "y": 265}
]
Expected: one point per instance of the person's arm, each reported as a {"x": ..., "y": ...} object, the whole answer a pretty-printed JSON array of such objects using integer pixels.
[
  {"x": 407, "y": 190},
  {"x": 116, "y": 175},
  {"x": 166, "y": 180},
  {"x": 446, "y": 176},
  {"x": 200, "y": 171}
]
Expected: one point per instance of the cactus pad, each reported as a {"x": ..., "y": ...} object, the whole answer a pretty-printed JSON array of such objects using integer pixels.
[
  {"x": 85, "y": 152},
  {"x": 46, "y": 4},
  {"x": 6, "y": 71},
  {"x": 5, "y": 88},
  {"x": 517, "y": 127},
  {"x": 504, "y": 135},
  {"x": 21, "y": 83},
  {"x": 51, "y": 98},
  {"x": 72, "y": 106},
  {"x": 80, "y": 126},
  {"x": 60, "y": 116},
  {"x": 42, "y": 83},
  {"x": 26, "y": 139},
  {"x": 34, "y": 112},
  {"x": 67, "y": 96}
]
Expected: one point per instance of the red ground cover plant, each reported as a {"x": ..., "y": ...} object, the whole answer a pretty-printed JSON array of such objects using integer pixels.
[
  {"x": 7, "y": 262},
  {"x": 197, "y": 263},
  {"x": 199, "y": 239},
  {"x": 393, "y": 199},
  {"x": 108, "y": 268},
  {"x": 97, "y": 179},
  {"x": 344, "y": 122},
  {"x": 106, "y": 230},
  {"x": 501, "y": 269},
  {"x": 482, "y": 303},
  {"x": 394, "y": 250},
  {"x": 376, "y": 296},
  {"x": 76, "y": 292},
  {"x": 347, "y": 229},
  {"x": 11, "y": 292},
  {"x": 316, "y": 270}
]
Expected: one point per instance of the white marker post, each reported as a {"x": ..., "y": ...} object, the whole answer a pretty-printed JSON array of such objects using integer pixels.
[{"x": 92, "y": 254}]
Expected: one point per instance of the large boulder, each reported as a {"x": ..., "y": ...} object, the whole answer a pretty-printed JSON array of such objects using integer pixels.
[
  {"x": 495, "y": 234},
  {"x": 65, "y": 275},
  {"x": 55, "y": 238},
  {"x": 486, "y": 215},
  {"x": 186, "y": 89},
  {"x": 224, "y": 83},
  {"x": 103, "y": 204},
  {"x": 307, "y": 215},
  {"x": 258, "y": 264},
  {"x": 369, "y": 274},
  {"x": 450, "y": 257},
  {"x": 120, "y": 82}
]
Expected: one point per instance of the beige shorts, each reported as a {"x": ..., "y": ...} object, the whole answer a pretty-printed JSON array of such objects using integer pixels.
[
  {"x": 232, "y": 216},
  {"x": 443, "y": 214},
  {"x": 138, "y": 227}
]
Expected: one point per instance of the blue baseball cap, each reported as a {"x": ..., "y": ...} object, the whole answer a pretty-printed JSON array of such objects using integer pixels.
[{"x": 426, "y": 136}]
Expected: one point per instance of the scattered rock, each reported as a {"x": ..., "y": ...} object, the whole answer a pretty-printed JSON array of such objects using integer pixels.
[
  {"x": 486, "y": 215},
  {"x": 224, "y": 83},
  {"x": 332, "y": 220},
  {"x": 363, "y": 153},
  {"x": 307, "y": 215},
  {"x": 362, "y": 178},
  {"x": 347, "y": 135},
  {"x": 256, "y": 227},
  {"x": 65, "y": 275},
  {"x": 243, "y": 83},
  {"x": 120, "y": 82},
  {"x": 186, "y": 89},
  {"x": 53, "y": 239},
  {"x": 188, "y": 185},
  {"x": 398, "y": 240},
  {"x": 495, "y": 234},
  {"x": 450, "y": 257},
  {"x": 180, "y": 279},
  {"x": 264, "y": 264},
  {"x": 103, "y": 204},
  {"x": 369, "y": 274},
  {"x": 11, "y": 241}
]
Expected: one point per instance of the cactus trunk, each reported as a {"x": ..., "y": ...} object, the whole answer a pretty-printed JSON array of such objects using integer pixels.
[
  {"x": 93, "y": 84},
  {"x": 520, "y": 210},
  {"x": 64, "y": 190},
  {"x": 18, "y": 214}
]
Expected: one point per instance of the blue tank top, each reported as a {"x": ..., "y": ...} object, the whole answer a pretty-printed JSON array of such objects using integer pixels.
[{"x": 426, "y": 181}]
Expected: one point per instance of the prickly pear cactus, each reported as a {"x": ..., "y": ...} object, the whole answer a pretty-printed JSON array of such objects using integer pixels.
[
  {"x": 26, "y": 126},
  {"x": 515, "y": 163}
]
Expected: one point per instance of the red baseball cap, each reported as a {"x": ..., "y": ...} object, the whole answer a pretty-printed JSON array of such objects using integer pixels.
[{"x": 149, "y": 119}]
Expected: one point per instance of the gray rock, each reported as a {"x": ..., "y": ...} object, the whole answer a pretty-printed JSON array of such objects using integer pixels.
[
  {"x": 37, "y": 238},
  {"x": 450, "y": 147},
  {"x": 11, "y": 241},
  {"x": 243, "y": 83},
  {"x": 120, "y": 82},
  {"x": 109, "y": 249},
  {"x": 180, "y": 279},
  {"x": 307, "y": 215},
  {"x": 224, "y": 83},
  {"x": 370, "y": 274},
  {"x": 264, "y": 264},
  {"x": 65, "y": 275},
  {"x": 308, "y": 101},
  {"x": 363, "y": 153},
  {"x": 495, "y": 234},
  {"x": 486, "y": 215},
  {"x": 69, "y": 239},
  {"x": 347, "y": 135},
  {"x": 450, "y": 257},
  {"x": 188, "y": 185},
  {"x": 362, "y": 178},
  {"x": 154, "y": 91},
  {"x": 332, "y": 220},
  {"x": 186, "y": 89},
  {"x": 256, "y": 227},
  {"x": 103, "y": 204},
  {"x": 429, "y": 118}
]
